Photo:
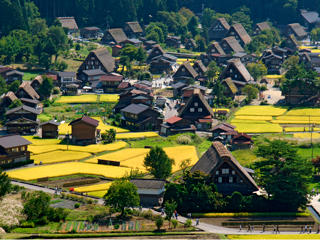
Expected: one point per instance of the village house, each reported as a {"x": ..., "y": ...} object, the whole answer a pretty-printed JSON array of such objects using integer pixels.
[
  {"x": 215, "y": 48},
  {"x": 12, "y": 76},
  {"x": 241, "y": 141},
  {"x": 201, "y": 70},
  {"x": 132, "y": 30},
  {"x": 218, "y": 29},
  {"x": 230, "y": 89},
  {"x": 240, "y": 34},
  {"x": 244, "y": 57},
  {"x": 36, "y": 82},
  {"x": 273, "y": 61},
  {"x": 237, "y": 72},
  {"x": 140, "y": 117},
  {"x": 67, "y": 78},
  {"x": 116, "y": 50},
  {"x": 90, "y": 32},
  {"x": 26, "y": 91},
  {"x": 99, "y": 59},
  {"x": 310, "y": 19},
  {"x": 305, "y": 59},
  {"x": 111, "y": 82},
  {"x": 185, "y": 73},
  {"x": 13, "y": 149},
  {"x": 5, "y": 102},
  {"x": 113, "y": 36},
  {"x": 197, "y": 111},
  {"x": 260, "y": 27},
  {"x": 50, "y": 129},
  {"x": 155, "y": 52},
  {"x": 29, "y": 102},
  {"x": 22, "y": 119},
  {"x": 176, "y": 125},
  {"x": 71, "y": 89},
  {"x": 131, "y": 41},
  {"x": 230, "y": 45},
  {"x": 189, "y": 90},
  {"x": 177, "y": 89},
  {"x": 151, "y": 191},
  {"x": 4, "y": 70},
  {"x": 190, "y": 44},
  {"x": 54, "y": 76},
  {"x": 224, "y": 131},
  {"x": 149, "y": 44},
  {"x": 91, "y": 75},
  {"x": 173, "y": 41},
  {"x": 205, "y": 59},
  {"x": 69, "y": 22},
  {"x": 296, "y": 29},
  {"x": 292, "y": 43},
  {"x": 296, "y": 95},
  {"x": 160, "y": 64},
  {"x": 225, "y": 171},
  {"x": 84, "y": 131}
]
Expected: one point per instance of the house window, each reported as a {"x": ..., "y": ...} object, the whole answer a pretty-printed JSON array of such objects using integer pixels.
[
  {"x": 225, "y": 170},
  {"x": 199, "y": 109},
  {"x": 217, "y": 172},
  {"x": 236, "y": 76},
  {"x": 191, "y": 109},
  {"x": 231, "y": 70},
  {"x": 254, "y": 32},
  {"x": 241, "y": 180},
  {"x": 183, "y": 69},
  {"x": 157, "y": 51},
  {"x": 230, "y": 179},
  {"x": 213, "y": 50},
  {"x": 196, "y": 104},
  {"x": 232, "y": 33},
  {"x": 15, "y": 149},
  {"x": 23, "y": 148},
  {"x": 15, "y": 78},
  {"x": 233, "y": 172},
  {"x": 87, "y": 67},
  {"x": 220, "y": 179}
]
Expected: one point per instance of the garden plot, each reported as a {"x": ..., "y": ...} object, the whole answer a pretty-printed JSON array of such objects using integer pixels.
[
  {"x": 37, "y": 141},
  {"x": 109, "y": 98},
  {"x": 261, "y": 111},
  {"x": 255, "y": 118},
  {"x": 299, "y": 129},
  {"x": 306, "y": 135}
]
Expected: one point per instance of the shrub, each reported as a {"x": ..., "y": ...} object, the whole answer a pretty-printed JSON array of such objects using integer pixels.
[
  {"x": 81, "y": 182},
  {"x": 63, "y": 195},
  {"x": 188, "y": 223},
  {"x": 77, "y": 47},
  {"x": 174, "y": 223},
  {"x": 116, "y": 226},
  {"x": 68, "y": 196},
  {"x": 27, "y": 225},
  {"x": 77, "y": 205},
  {"x": 184, "y": 139},
  {"x": 56, "y": 90},
  {"x": 43, "y": 221},
  {"x": 89, "y": 200},
  {"x": 159, "y": 223}
]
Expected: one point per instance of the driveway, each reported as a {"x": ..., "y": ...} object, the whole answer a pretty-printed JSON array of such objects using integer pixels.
[
  {"x": 159, "y": 83},
  {"x": 274, "y": 93},
  {"x": 171, "y": 108}
]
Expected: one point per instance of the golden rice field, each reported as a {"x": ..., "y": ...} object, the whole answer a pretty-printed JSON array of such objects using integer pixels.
[
  {"x": 85, "y": 98},
  {"x": 284, "y": 121},
  {"x": 275, "y": 76},
  {"x": 299, "y": 129},
  {"x": 258, "y": 118},
  {"x": 64, "y": 128},
  {"x": 137, "y": 135},
  {"x": 93, "y": 188},
  {"x": 98, "y": 194},
  {"x": 105, "y": 127},
  {"x": 258, "y": 128},
  {"x": 36, "y": 141},
  {"x": 261, "y": 111},
  {"x": 217, "y": 109},
  {"x": 65, "y": 169},
  {"x": 305, "y": 111},
  {"x": 306, "y": 135},
  {"x": 306, "y": 47},
  {"x": 135, "y": 162},
  {"x": 180, "y": 153},
  {"x": 121, "y": 155},
  {"x": 59, "y": 156},
  {"x": 109, "y": 98},
  {"x": 237, "y": 121},
  {"x": 274, "y": 236}
]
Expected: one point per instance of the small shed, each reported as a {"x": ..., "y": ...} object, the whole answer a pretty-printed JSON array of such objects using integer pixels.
[
  {"x": 241, "y": 141},
  {"x": 71, "y": 89},
  {"x": 50, "y": 129},
  {"x": 84, "y": 130}
]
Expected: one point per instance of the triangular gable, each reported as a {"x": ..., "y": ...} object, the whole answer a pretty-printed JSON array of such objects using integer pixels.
[
  {"x": 156, "y": 51},
  {"x": 215, "y": 48},
  {"x": 20, "y": 120}
]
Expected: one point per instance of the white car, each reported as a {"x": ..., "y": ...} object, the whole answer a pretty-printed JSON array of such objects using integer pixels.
[{"x": 99, "y": 91}]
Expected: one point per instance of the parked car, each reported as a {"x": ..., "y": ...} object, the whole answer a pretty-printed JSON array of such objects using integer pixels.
[
  {"x": 99, "y": 91},
  {"x": 158, "y": 109}
]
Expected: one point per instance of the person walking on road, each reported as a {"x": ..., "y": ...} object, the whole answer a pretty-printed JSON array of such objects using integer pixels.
[
  {"x": 197, "y": 221},
  {"x": 305, "y": 228},
  {"x": 310, "y": 229},
  {"x": 240, "y": 228},
  {"x": 176, "y": 213},
  {"x": 274, "y": 229},
  {"x": 301, "y": 231},
  {"x": 318, "y": 228},
  {"x": 263, "y": 228},
  {"x": 249, "y": 228},
  {"x": 278, "y": 231}
]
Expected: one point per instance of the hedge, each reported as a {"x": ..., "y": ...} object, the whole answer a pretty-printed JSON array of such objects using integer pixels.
[
  {"x": 81, "y": 182},
  {"x": 253, "y": 214},
  {"x": 16, "y": 164},
  {"x": 271, "y": 223}
]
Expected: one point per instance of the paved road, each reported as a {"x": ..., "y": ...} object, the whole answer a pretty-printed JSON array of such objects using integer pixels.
[
  {"x": 171, "y": 109},
  {"x": 159, "y": 83}
]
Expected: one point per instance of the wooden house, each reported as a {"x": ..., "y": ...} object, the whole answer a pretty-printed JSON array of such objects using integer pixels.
[
  {"x": 30, "y": 102},
  {"x": 215, "y": 48},
  {"x": 298, "y": 95},
  {"x": 244, "y": 57},
  {"x": 184, "y": 73},
  {"x": 110, "y": 82},
  {"x": 296, "y": 29},
  {"x": 132, "y": 30},
  {"x": 116, "y": 50},
  {"x": 239, "y": 33},
  {"x": 68, "y": 78},
  {"x": 98, "y": 59},
  {"x": 292, "y": 42},
  {"x": 151, "y": 191},
  {"x": 273, "y": 62},
  {"x": 6, "y": 101},
  {"x": 4, "y": 70},
  {"x": 230, "y": 89},
  {"x": 205, "y": 59},
  {"x": 177, "y": 89},
  {"x": 50, "y": 129},
  {"x": 84, "y": 131},
  {"x": 309, "y": 18},
  {"x": 149, "y": 44},
  {"x": 218, "y": 29},
  {"x": 13, "y": 149},
  {"x": 260, "y": 27},
  {"x": 113, "y": 36},
  {"x": 222, "y": 128},
  {"x": 90, "y": 32},
  {"x": 197, "y": 111},
  {"x": 161, "y": 64},
  {"x": 91, "y": 75},
  {"x": 155, "y": 52},
  {"x": 305, "y": 59},
  {"x": 225, "y": 171},
  {"x": 54, "y": 76},
  {"x": 237, "y": 72},
  {"x": 12, "y": 76},
  {"x": 200, "y": 69},
  {"x": 71, "y": 89},
  {"x": 69, "y": 22},
  {"x": 176, "y": 125},
  {"x": 36, "y": 82},
  {"x": 189, "y": 90},
  {"x": 140, "y": 117},
  {"x": 190, "y": 45},
  {"x": 22, "y": 119},
  {"x": 230, "y": 45},
  {"x": 26, "y": 91},
  {"x": 132, "y": 41},
  {"x": 173, "y": 41},
  {"x": 241, "y": 141}
]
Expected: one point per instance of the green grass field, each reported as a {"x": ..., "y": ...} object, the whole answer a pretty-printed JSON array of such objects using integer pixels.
[{"x": 31, "y": 75}]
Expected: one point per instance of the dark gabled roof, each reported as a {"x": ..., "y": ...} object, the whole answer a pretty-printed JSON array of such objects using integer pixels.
[
  {"x": 67, "y": 74},
  {"x": 222, "y": 127},
  {"x": 34, "y": 101},
  {"x": 216, "y": 155},
  {"x": 170, "y": 57},
  {"x": 217, "y": 46},
  {"x": 192, "y": 42},
  {"x": 117, "y": 34},
  {"x": 293, "y": 39},
  {"x": 86, "y": 119},
  {"x": 306, "y": 55},
  {"x": 90, "y": 28},
  {"x": 96, "y": 84},
  {"x": 24, "y": 107},
  {"x": 50, "y": 122},
  {"x": 10, "y": 141},
  {"x": 224, "y": 23},
  {"x": 123, "y": 85},
  {"x": 134, "y": 26},
  {"x": 187, "y": 65},
  {"x": 298, "y": 29},
  {"x": 239, "y": 54},
  {"x": 153, "y": 53},
  {"x": 10, "y": 95},
  {"x": 310, "y": 17},
  {"x": 203, "y": 88},
  {"x": 218, "y": 33},
  {"x": 38, "y": 79},
  {"x": 72, "y": 85},
  {"x": 150, "y": 42},
  {"x": 229, "y": 125},
  {"x": 196, "y": 92},
  {"x": 14, "y": 72},
  {"x": 231, "y": 85},
  {"x": 233, "y": 43},
  {"x": 263, "y": 26},
  {"x": 68, "y": 22},
  {"x": 148, "y": 183},
  {"x": 135, "y": 108},
  {"x": 144, "y": 82},
  {"x": 132, "y": 40},
  {"x": 179, "y": 85},
  {"x": 199, "y": 64},
  {"x": 241, "y": 68},
  {"x": 241, "y": 32},
  {"x": 105, "y": 58},
  {"x": 5, "y": 69},
  {"x": 27, "y": 87},
  {"x": 242, "y": 135},
  {"x": 111, "y": 78},
  {"x": 92, "y": 72}
]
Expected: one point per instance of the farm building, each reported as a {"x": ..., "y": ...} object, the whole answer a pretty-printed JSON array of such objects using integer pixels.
[
  {"x": 189, "y": 90},
  {"x": 184, "y": 73},
  {"x": 114, "y": 36},
  {"x": 5, "y": 102},
  {"x": 240, "y": 34},
  {"x": 26, "y": 91},
  {"x": 155, "y": 52},
  {"x": 224, "y": 130},
  {"x": 71, "y": 89},
  {"x": 151, "y": 191},
  {"x": 132, "y": 29},
  {"x": 110, "y": 82},
  {"x": 84, "y": 131},
  {"x": 90, "y": 32},
  {"x": 69, "y": 22},
  {"x": 241, "y": 141},
  {"x": 177, "y": 89},
  {"x": 173, "y": 41},
  {"x": 230, "y": 89},
  {"x": 225, "y": 171},
  {"x": 260, "y": 27},
  {"x": 36, "y": 82},
  {"x": 91, "y": 75},
  {"x": 244, "y": 57},
  {"x": 50, "y": 129},
  {"x": 292, "y": 43},
  {"x": 131, "y": 41},
  {"x": 149, "y": 44},
  {"x": 12, "y": 76},
  {"x": 190, "y": 44},
  {"x": 215, "y": 48},
  {"x": 231, "y": 45},
  {"x": 68, "y": 78},
  {"x": 176, "y": 125},
  {"x": 296, "y": 29},
  {"x": 13, "y": 148},
  {"x": 218, "y": 29},
  {"x": 273, "y": 61},
  {"x": 310, "y": 19},
  {"x": 29, "y": 102}
]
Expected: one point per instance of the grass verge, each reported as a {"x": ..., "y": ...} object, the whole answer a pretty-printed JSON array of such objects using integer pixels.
[{"x": 252, "y": 214}]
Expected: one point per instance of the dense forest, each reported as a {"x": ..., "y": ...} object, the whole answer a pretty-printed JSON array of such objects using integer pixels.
[{"x": 15, "y": 13}]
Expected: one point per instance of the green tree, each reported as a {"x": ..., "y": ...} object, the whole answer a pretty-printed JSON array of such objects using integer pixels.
[
  {"x": 212, "y": 70},
  {"x": 169, "y": 209},
  {"x": 50, "y": 49},
  {"x": 315, "y": 34},
  {"x": 125, "y": 62},
  {"x": 201, "y": 43},
  {"x": 141, "y": 55},
  {"x": 61, "y": 66},
  {"x": 110, "y": 136},
  {"x": 158, "y": 163},
  {"x": 37, "y": 206},
  {"x": 130, "y": 51},
  {"x": 15, "y": 103},
  {"x": 284, "y": 174},
  {"x": 257, "y": 70},
  {"x": 46, "y": 86},
  {"x": 159, "y": 222},
  {"x": 3, "y": 86},
  {"x": 193, "y": 25},
  {"x": 218, "y": 90},
  {"x": 38, "y": 26},
  {"x": 5, "y": 183},
  {"x": 153, "y": 35},
  {"x": 187, "y": 13},
  {"x": 14, "y": 86},
  {"x": 184, "y": 165},
  {"x": 122, "y": 194},
  {"x": 292, "y": 66},
  {"x": 250, "y": 91},
  {"x": 241, "y": 17},
  {"x": 59, "y": 38}
]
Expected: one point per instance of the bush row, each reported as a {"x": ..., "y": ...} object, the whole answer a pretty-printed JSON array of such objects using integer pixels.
[
  {"x": 251, "y": 214},
  {"x": 268, "y": 223},
  {"x": 81, "y": 182},
  {"x": 16, "y": 164},
  {"x": 78, "y": 198}
]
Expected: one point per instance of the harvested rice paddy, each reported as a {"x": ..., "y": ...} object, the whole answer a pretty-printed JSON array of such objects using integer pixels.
[
  {"x": 85, "y": 98},
  {"x": 59, "y": 156},
  {"x": 299, "y": 129},
  {"x": 261, "y": 111},
  {"x": 258, "y": 118},
  {"x": 258, "y": 128},
  {"x": 305, "y": 112},
  {"x": 137, "y": 135},
  {"x": 306, "y": 135},
  {"x": 93, "y": 188}
]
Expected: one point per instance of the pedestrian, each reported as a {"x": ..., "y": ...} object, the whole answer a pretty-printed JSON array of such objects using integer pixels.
[
  {"x": 189, "y": 215},
  {"x": 263, "y": 228},
  {"x": 301, "y": 231},
  {"x": 274, "y": 229},
  {"x": 240, "y": 228},
  {"x": 305, "y": 228},
  {"x": 176, "y": 216},
  {"x": 278, "y": 229},
  {"x": 162, "y": 211},
  {"x": 310, "y": 229},
  {"x": 197, "y": 221},
  {"x": 252, "y": 228},
  {"x": 318, "y": 228},
  {"x": 55, "y": 190},
  {"x": 249, "y": 228}
]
